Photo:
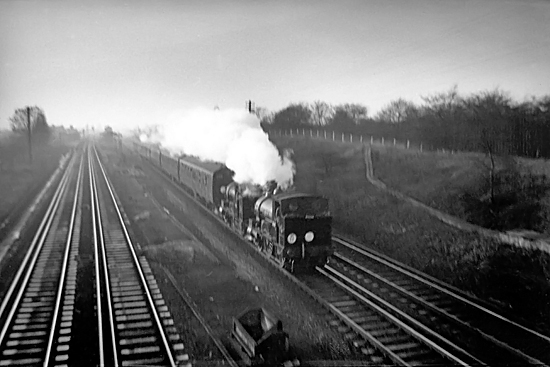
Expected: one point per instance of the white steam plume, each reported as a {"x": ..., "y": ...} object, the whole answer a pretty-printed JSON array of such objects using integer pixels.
[{"x": 233, "y": 137}]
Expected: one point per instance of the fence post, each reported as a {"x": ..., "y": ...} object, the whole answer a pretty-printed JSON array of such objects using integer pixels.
[
  {"x": 290, "y": 132},
  {"x": 393, "y": 141},
  {"x": 317, "y": 133},
  {"x": 333, "y": 136},
  {"x": 325, "y": 135},
  {"x": 310, "y": 133},
  {"x": 303, "y": 132},
  {"x": 350, "y": 138},
  {"x": 420, "y": 146},
  {"x": 342, "y": 137},
  {"x": 382, "y": 140},
  {"x": 372, "y": 139},
  {"x": 408, "y": 143},
  {"x": 361, "y": 139}
]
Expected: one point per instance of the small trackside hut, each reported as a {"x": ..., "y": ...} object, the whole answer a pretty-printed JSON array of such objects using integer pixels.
[{"x": 259, "y": 339}]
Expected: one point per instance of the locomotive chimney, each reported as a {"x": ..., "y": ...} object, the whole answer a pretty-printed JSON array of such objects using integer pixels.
[{"x": 270, "y": 187}]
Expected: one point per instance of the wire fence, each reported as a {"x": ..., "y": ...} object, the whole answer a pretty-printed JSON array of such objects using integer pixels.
[
  {"x": 356, "y": 139},
  {"x": 497, "y": 147}
]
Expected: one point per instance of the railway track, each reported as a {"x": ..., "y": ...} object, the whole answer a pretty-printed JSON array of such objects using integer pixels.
[
  {"x": 369, "y": 326},
  {"x": 31, "y": 315},
  {"x": 134, "y": 324},
  {"x": 127, "y": 323},
  {"x": 414, "y": 298}
]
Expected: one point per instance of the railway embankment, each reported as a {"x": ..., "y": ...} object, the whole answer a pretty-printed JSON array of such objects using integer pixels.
[
  {"x": 504, "y": 237},
  {"x": 514, "y": 277},
  {"x": 24, "y": 192}
]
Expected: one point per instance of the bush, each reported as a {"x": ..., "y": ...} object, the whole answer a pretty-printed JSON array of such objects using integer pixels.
[
  {"x": 516, "y": 202},
  {"x": 518, "y": 278}
]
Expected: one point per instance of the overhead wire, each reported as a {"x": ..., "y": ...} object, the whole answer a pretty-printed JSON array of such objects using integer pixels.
[
  {"x": 420, "y": 47},
  {"x": 433, "y": 72}
]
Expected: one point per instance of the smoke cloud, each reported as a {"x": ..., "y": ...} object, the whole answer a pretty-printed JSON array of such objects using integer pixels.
[{"x": 233, "y": 137}]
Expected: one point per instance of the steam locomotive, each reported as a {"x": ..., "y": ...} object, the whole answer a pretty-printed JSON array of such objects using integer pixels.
[{"x": 293, "y": 228}]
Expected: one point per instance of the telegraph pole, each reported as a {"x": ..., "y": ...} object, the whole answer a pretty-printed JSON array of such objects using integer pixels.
[
  {"x": 249, "y": 106},
  {"x": 29, "y": 132}
]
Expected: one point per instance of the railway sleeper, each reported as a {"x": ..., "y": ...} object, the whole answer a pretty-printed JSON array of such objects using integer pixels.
[
  {"x": 357, "y": 307},
  {"x": 378, "y": 325},
  {"x": 135, "y": 325},
  {"x": 396, "y": 339},
  {"x": 147, "y": 339},
  {"x": 129, "y": 298},
  {"x": 15, "y": 343},
  {"x": 362, "y": 319},
  {"x": 20, "y": 362},
  {"x": 134, "y": 333},
  {"x": 143, "y": 316},
  {"x": 385, "y": 332},
  {"x": 141, "y": 350},
  {"x": 401, "y": 347},
  {"x": 130, "y": 311},
  {"x": 342, "y": 304},
  {"x": 136, "y": 291},
  {"x": 416, "y": 357},
  {"x": 335, "y": 299},
  {"x": 143, "y": 362}
]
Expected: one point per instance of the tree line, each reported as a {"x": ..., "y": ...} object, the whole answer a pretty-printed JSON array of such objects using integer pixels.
[
  {"x": 30, "y": 130},
  {"x": 488, "y": 121}
]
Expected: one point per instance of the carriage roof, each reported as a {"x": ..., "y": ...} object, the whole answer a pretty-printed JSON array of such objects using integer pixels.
[{"x": 209, "y": 167}]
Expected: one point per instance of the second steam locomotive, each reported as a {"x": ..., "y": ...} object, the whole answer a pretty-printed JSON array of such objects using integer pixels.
[{"x": 293, "y": 228}]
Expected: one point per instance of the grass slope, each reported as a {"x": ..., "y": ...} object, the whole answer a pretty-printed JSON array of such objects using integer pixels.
[
  {"x": 18, "y": 176},
  {"x": 440, "y": 179},
  {"x": 516, "y": 278}
]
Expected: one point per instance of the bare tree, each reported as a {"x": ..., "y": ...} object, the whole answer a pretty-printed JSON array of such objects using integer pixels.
[
  {"x": 397, "y": 111},
  {"x": 321, "y": 112},
  {"x": 29, "y": 120},
  {"x": 355, "y": 111},
  {"x": 342, "y": 120},
  {"x": 295, "y": 115},
  {"x": 444, "y": 104},
  {"x": 263, "y": 115},
  {"x": 489, "y": 111}
]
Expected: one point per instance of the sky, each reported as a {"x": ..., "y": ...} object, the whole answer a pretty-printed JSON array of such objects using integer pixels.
[{"x": 135, "y": 63}]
